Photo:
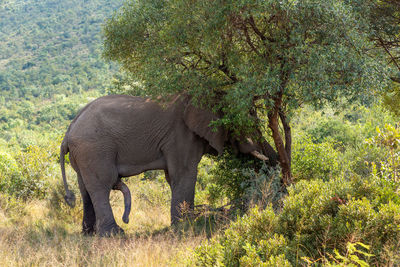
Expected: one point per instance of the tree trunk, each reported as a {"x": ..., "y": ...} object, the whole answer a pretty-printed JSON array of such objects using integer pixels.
[
  {"x": 284, "y": 150},
  {"x": 288, "y": 135}
]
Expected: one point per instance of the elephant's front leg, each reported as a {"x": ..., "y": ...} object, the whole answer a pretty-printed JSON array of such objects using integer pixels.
[{"x": 183, "y": 189}]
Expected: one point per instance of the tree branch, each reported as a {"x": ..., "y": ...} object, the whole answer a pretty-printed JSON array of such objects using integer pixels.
[
  {"x": 395, "y": 79},
  {"x": 248, "y": 40},
  {"x": 388, "y": 52},
  {"x": 224, "y": 68},
  {"x": 253, "y": 25},
  {"x": 226, "y": 71}
]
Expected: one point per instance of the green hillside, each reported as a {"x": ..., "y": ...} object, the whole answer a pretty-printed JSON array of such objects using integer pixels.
[
  {"x": 50, "y": 64},
  {"x": 52, "y": 46}
]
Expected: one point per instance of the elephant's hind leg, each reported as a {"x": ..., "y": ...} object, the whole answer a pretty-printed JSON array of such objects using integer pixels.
[
  {"x": 99, "y": 185},
  {"x": 89, "y": 216}
]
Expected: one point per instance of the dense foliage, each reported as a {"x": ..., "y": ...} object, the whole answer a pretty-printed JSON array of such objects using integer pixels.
[
  {"x": 254, "y": 61},
  {"x": 238, "y": 181},
  {"x": 384, "y": 17},
  {"x": 319, "y": 217},
  {"x": 52, "y": 46}
]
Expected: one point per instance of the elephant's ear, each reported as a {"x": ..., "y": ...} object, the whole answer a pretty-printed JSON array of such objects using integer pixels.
[{"x": 198, "y": 120}]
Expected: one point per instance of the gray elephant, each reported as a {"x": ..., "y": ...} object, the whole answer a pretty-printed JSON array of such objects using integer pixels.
[{"x": 119, "y": 136}]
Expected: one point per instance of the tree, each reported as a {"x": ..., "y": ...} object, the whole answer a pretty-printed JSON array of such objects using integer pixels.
[
  {"x": 263, "y": 58},
  {"x": 385, "y": 18}
]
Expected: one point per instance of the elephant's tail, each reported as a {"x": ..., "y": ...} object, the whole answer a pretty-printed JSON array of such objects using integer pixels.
[{"x": 69, "y": 195}]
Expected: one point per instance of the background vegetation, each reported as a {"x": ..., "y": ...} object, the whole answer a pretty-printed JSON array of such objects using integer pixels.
[
  {"x": 52, "y": 47},
  {"x": 343, "y": 208}
]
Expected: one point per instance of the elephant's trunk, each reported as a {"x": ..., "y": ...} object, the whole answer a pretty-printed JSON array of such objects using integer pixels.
[{"x": 127, "y": 199}]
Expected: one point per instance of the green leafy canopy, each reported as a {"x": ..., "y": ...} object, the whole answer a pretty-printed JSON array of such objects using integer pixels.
[{"x": 245, "y": 56}]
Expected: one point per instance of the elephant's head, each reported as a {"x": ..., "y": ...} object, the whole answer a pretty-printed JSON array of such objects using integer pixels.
[{"x": 198, "y": 120}]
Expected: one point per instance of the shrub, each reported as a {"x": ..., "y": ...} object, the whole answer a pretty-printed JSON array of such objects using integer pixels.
[
  {"x": 27, "y": 175},
  {"x": 9, "y": 172},
  {"x": 250, "y": 241},
  {"x": 340, "y": 131},
  {"x": 8, "y": 166},
  {"x": 358, "y": 160},
  {"x": 345, "y": 125},
  {"x": 58, "y": 208},
  {"x": 389, "y": 138},
  {"x": 318, "y": 218},
  {"x": 228, "y": 176},
  {"x": 314, "y": 161},
  {"x": 351, "y": 257},
  {"x": 239, "y": 180}
]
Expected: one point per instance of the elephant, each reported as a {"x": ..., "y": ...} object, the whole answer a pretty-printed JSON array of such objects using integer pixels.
[{"x": 119, "y": 136}]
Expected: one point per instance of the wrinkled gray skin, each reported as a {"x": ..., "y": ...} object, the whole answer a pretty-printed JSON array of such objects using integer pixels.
[{"x": 119, "y": 136}]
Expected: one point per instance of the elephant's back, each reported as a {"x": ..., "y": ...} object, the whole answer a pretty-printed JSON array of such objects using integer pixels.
[
  {"x": 116, "y": 102},
  {"x": 109, "y": 109},
  {"x": 115, "y": 117}
]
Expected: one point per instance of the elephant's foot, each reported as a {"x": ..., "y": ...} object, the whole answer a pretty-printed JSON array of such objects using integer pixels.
[
  {"x": 88, "y": 231},
  {"x": 111, "y": 231},
  {"x": 88, "y": 226}
]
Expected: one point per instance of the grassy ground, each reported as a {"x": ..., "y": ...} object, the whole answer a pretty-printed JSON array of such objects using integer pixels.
[{"x": 47, "y": 233}]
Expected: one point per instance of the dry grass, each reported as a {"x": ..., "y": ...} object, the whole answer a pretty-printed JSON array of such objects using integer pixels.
[
  {"x": 19, "y": 247},
  {"x": 31, "y": 235}
]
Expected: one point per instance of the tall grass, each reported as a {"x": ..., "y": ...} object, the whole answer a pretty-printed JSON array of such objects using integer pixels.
[{"x": 40, "y": 233}]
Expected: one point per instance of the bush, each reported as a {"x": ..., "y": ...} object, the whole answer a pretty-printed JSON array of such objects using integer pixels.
[
  {"x": 9, "y": 172},
  {"x": 314, "y": 161},
  {"x": 389, "y": 139},
  {"x": 351, "y": 258},
  {"x": 358, "y": 160},
  {"x": 249, "y": 241},
  {"x": 28, "y": 174},
  {"x": 240, "y": 181},
  {"x": 206, "y": 189},
  {"x": 228, "y": 176},
  {"x": 8, "y": 166},
  {"x": 318, "y": 218},
  {"x": 340, "y": 131},
  {"x": 58, "y": 208}
]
